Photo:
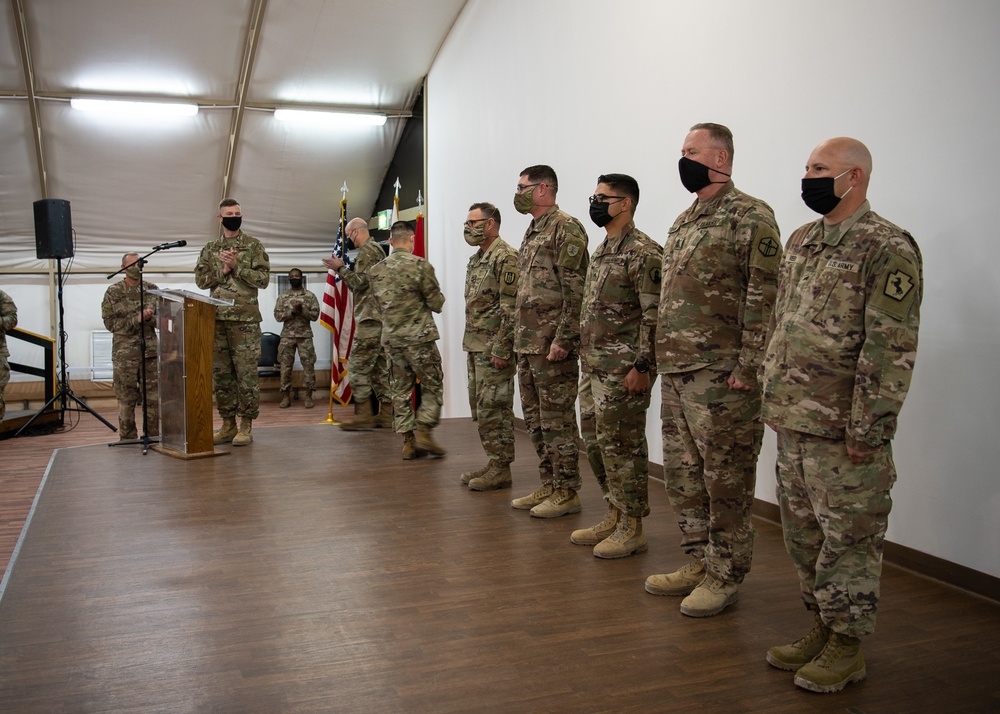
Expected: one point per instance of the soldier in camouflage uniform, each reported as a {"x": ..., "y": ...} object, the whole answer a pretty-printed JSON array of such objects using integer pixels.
[
  {"x": 122, "y": 317},
  {"x": 295, "y": 309},
  {"x": 490, "y": 288},
  {"x": 720, "y": 265},
  {"x": 8, "y": 321},
  {"x": 552, "y": 264},
  {"x": 839, "y": 361},
  {"x": 618, "y": 324},
  {"x": 367, "y": 367},
  {"x": 407, "y": 292},
  {"x": 235, "y": 267}
]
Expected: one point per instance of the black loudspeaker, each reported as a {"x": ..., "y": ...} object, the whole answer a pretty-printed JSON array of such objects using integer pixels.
[{"x": 53, "y": 229}]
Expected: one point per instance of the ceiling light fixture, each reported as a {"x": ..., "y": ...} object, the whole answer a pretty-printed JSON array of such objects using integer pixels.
[
  {"x": 135, "y": 109},
  {"x": 317, "y": 116}
]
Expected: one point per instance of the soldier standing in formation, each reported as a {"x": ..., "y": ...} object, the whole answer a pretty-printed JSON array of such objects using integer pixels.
[
  {"x": 616, "y": 352},
  {"x": 296, "y": 308},
  {"x": 839, "y": 362},
  {"x": 407, "y": 292},
  {"x": 720, "y": 266},
  {"x": 367, "y": 366},
  {"x": 552, "y": 264},
  {"x": 8, "y": 321},
  {"x": 123, "y": 318},
  {"x": 235, "y": 267},
  {"x": 490, "y": 289}
]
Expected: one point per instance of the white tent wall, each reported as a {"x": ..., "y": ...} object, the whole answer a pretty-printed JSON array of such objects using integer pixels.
[{"x": 590, "y": 88}]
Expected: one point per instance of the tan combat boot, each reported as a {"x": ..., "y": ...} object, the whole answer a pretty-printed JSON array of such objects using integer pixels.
[
  {"x": 308, "y": 401},
  {"x": 563, "y": 501},
  {"x": 528, "y": 502},
  {"x": 362, "y": 420},
  {"x": 711, "y": 597},
  {"x": 680, "y": 582},
  {"x": 425, "y": 441},
  {"x": 286, "y": 399},
  {"x": 467, "y": 476},
  {"x": 245, "y": 434},
  {"x": 497, "y": 476},
  {"x": 227, "y": 432},
  {"x": 801, "y": 652},
  {"x": 840, "y": 663},
  {"x": 627, "y": 539},
  {"x": 595, "y": 534},
  {"x": 384, "y": 418},
  {"x": 409, "y": 447}
]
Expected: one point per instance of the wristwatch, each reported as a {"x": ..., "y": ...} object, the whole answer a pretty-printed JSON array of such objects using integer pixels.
[{"x": 641, "y": 366}]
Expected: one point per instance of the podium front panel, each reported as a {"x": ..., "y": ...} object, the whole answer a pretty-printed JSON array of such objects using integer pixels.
[{"x": 173, "y": 412}]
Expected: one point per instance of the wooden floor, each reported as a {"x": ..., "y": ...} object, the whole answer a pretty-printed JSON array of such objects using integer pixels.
[{"x": 315, "y": 571}]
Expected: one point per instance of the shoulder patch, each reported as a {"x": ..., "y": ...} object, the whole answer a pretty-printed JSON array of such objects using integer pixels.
[
  {"x": 652, "y": 275},
  {"x": 897, "y": 288},
  {"x": 508, "y": 278},
  {"x": 573, "y": 252},
  {"x": 765, "y": 250}
]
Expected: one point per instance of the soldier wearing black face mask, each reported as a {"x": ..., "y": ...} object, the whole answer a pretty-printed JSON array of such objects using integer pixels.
[
  {"x": 235, "y": 267},
  {"x": 296, "y": 309}
]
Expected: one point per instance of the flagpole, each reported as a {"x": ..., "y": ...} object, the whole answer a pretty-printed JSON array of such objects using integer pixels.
[{"x": 343, "y": 250}]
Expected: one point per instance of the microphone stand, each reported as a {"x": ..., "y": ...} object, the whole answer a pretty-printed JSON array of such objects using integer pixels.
[{"x": 145, "y": 440}]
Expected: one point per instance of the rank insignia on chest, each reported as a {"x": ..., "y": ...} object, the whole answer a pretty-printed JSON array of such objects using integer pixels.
[{"x": 898, "y": 285}]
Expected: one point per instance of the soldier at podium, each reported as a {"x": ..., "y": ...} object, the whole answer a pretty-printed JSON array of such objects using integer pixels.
[
  {"x": 235, "y": 267},
  {"x": 122, "y": 317}
]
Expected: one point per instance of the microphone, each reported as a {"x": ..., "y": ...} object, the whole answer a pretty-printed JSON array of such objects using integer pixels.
[{"x": 172, "y": 244}]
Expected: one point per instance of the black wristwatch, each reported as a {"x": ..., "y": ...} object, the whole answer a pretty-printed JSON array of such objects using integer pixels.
[{"x": 641, "y": 366}]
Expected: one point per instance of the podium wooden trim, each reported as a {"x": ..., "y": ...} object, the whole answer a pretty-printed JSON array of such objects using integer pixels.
[{"x": 186, "y": 324}]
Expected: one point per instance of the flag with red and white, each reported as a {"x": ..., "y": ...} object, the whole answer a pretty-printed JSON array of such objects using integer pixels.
[{"x": 336, "y": 314}]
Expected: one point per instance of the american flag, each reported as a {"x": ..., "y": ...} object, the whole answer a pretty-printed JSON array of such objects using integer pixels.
[{"x": 337, "y": 315}]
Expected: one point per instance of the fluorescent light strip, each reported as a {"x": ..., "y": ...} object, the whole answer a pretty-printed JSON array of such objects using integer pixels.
[
  {"x": 135, "y": 109},
  {"x": 315, "y": 116}
]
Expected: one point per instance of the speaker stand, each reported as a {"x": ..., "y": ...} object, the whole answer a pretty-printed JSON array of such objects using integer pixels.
[{"x": 63, "y": 394}]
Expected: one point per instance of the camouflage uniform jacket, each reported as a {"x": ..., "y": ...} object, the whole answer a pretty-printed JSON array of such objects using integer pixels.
[
  {"x": 844, "y": 331},
  {"x": 120, "y": 310},
  {"x": 406, "y": 292},
  {"x": 552, "y": 264},
  {"x": 357, "y": 279},
  {"x": 8, "y": 320},
  {"x": 618, "y": 318},
  {"x": 490, "y": 289},
  {"x": 296, "y": 324},
  {"x": 252, "y": 273},
  {"x": 720, "y": 266}
]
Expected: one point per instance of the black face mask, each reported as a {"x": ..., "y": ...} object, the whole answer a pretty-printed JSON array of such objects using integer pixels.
[
  {"x": 232, "y": 223},
  {"x": 296, "y": 283},
  {"x": 599, "y": 214},
  {"x": 694, "y": 176},
  {"x": 819, "y": 195}
]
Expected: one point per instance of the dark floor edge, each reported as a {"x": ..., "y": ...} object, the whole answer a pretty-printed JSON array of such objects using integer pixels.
[
  {"x": 24, "y": 529},
  {"x": 925, "y": 565}
]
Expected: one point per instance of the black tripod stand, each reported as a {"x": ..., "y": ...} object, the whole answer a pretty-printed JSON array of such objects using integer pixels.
[
  {"x": 63, "y": 394},
  {"x": 145, "y": 439}
]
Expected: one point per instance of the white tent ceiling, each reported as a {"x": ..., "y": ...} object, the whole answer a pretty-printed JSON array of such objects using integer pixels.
[{"x": 136, "y": 184}]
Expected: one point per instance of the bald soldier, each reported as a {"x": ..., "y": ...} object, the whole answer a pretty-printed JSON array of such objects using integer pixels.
[
  {"x": 720, "y": 266},
  {"x": 839, "y": 361},
  {"x": 367, "y": 367}
]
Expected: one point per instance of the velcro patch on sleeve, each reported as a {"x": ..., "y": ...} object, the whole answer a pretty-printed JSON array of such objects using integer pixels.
[
  {"x": 765, "y": 251},
  {"x": 651, "y": 275},
  {"x": 897, "y": 288},
  {"x": 573, "y": 250},
  {"x": 508, "y": 278}
]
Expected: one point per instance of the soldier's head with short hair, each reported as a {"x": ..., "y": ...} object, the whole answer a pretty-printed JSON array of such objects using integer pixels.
[
  {"x": 228, "y": 203},
  {"x": 402, "y": 235},
  {"x": 542, "y": 174},
  {"x": 720, "y": 136},
  {"x": 622, "y": 185},
  {"x": 357, "y": 231},
  {"x": 129, "y": 258}
]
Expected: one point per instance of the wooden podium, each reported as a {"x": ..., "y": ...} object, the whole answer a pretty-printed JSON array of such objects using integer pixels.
[{"x": 186, "y": 323}]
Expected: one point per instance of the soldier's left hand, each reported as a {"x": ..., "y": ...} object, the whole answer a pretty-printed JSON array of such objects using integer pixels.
[
  {"x": 557, "y": 353},
  {"x": 857, "y": 456},
  {"x": 637, "y": 382},
  {"x": 499, "y": 362},
  {"x": 737, "y": 385}
]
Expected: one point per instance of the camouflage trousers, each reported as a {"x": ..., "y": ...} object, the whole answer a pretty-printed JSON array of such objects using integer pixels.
[
  {"x": 234, "y": 368},
  {"x": 127, "y": 382},
  {"x": 548, "y": 400},
  {"x": 4, "y": 379},
  {"x": 367, "y": 366},
  {"x": 407, "y": 364},
  {"x": 834, "y": 514},
  {"x": 491, "y": 397},
  {"x": 711, "y": 439},
  {"x": 613, "y": 424},
  {"x": 286, "y": 359}
]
